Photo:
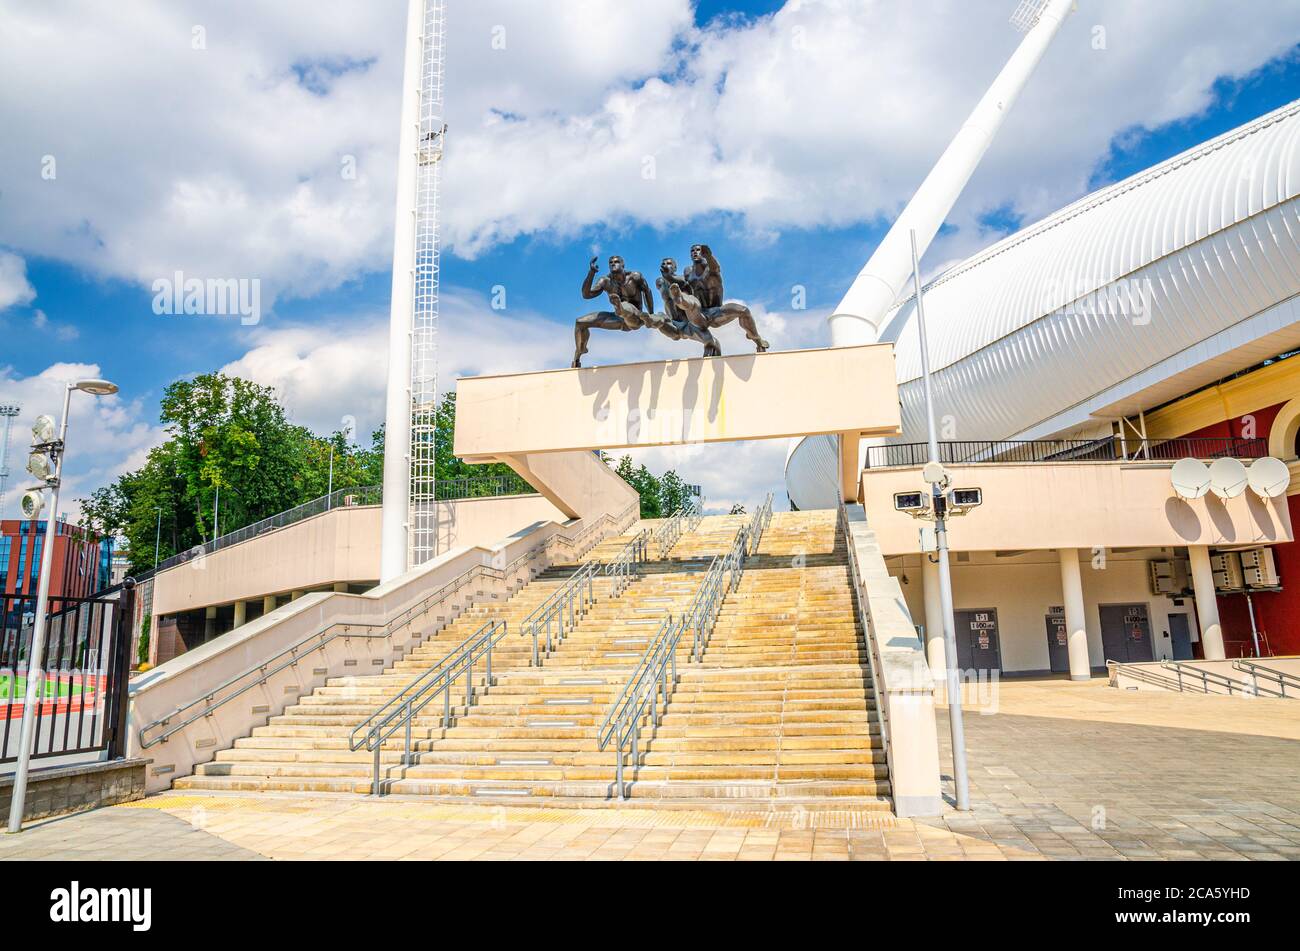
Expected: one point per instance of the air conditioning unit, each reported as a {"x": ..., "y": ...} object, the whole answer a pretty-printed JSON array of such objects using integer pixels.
[
  {"x": 1228, "y": 576},
  {"x": 1162, "y": 577},
  {"x": 1170, "y": 576},
  {"x": 1258, "y": 568}
]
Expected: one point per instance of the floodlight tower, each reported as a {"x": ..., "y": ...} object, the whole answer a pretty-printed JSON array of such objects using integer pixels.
[
  {"x": 410, "y": 531},
  {"x": 8, "y": 412}
]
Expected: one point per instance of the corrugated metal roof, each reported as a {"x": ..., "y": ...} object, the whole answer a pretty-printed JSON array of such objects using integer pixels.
[
  {"x": 1145, "y": 271},
  {"x": 1112, "y": 284}
]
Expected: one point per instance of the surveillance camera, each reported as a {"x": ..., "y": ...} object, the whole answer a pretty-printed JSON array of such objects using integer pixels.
[
  {"x": 967, "y": 498},
  {"x": 935, "y": 474},
  {"x": 913, "y": 503},
  {"x": 32, "y": 504}
]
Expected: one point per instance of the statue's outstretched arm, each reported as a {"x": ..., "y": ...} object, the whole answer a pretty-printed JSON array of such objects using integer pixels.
[{"x": 588, "y": 292}]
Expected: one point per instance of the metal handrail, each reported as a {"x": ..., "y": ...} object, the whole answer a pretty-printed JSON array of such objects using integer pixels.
[
  {"x": 649, "y": 683},
  {"x": 447, "y": 490},
  {"x": 758, "y": 524},
  {"x": 555, "y": 617},
  {"x": 1281, "y": 677},
  {"x": 1139, "y": 672},
  {"x": 1108, "y": 449},
  {"x": 669, "y": 532},
  {"x": 436, "y": 681},
  {"x": 291, "y": 655},
  {"x": 864, "y": 619},
  {"x": 655, "y": 674},
  {"x": 1208, "y": 677}
]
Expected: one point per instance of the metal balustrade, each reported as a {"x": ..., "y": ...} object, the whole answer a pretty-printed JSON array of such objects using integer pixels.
[
  {"x": 647, "y": 691},
  {"x": 667, "y": 535},
  {"x": 448, "y": 490},
  {"x": 551, "y": 620},
  {"x": 1202, "y": 679},
  {"x": 438, "y": 681},
  {"x": 1279, "y": 677},
  {"x": 258, "y": 674},
  {"x": 1109, "y": 449}
]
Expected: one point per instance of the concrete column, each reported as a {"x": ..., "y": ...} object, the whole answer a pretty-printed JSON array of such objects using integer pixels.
[
  {"x": 295, "y": 595},
  {"x": 934, "y": 652},
  {"x": 341, "y": 587},
  {"x": 209, "y": 622},
  {"x": 1076, "y": 624},
  {"x": 268, "y": 602},
  {"x": 241, "y": 613},
  {"x": 1207, "y": 607}
]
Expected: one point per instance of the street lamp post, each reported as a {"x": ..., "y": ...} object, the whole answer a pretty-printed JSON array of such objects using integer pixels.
[
  {"x": 939, "y": 499},
  {"x": 157, "y": 539},
  {"x": 35, "y": 660}
]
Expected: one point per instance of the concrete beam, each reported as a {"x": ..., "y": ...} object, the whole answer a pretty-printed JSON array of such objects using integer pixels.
[{"x": 672, "y": 402}]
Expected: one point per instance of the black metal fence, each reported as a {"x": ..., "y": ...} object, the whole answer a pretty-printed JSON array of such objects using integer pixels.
[
  {"x": 1111, "y": 449},
  {"x": 82, "y": 700}
]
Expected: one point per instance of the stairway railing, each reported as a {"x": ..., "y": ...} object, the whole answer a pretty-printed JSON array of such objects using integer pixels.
[
  {"x": 438, "y": 681},
  {"x": 550, "y": 621},
  {"x": 651, "y": 682},
  {"x": 258, "y": 674},
  {"x": 655, "y": 675},
  {"x": 667, "y": 534},
  {"x": 758, "y": 524}
]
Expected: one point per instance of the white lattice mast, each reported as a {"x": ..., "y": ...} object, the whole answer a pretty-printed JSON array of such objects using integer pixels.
[
  {"x": 8, "y": 413},
  {"x": 410, "y": 530}
]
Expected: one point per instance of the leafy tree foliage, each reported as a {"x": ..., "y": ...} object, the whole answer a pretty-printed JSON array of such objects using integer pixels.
[
  {"x": 233, "y": 435},
  {"x": 661, "y": 496}
]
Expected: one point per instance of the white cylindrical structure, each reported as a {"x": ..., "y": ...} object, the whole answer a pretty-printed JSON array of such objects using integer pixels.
[
  {"x": 810, "y": 482},
  {"x": 1207, "y": 605},
  {"x": 394, "y": 544},
  {"x": 934, "y": 652},
  {"x": 1076, "y": 625},
  {"x": 858, "y": 317}
]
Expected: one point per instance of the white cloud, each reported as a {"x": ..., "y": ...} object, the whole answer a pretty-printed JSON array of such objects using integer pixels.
[
  {"x": 14, "y": 286},
  {"x": 225, "y": 161},
  {"x": 106, "y": 436},
  {"x": 63, "y": 332}
]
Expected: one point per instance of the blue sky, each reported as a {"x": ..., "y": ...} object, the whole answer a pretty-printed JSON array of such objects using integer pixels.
[{"x": 762, "y": 187}]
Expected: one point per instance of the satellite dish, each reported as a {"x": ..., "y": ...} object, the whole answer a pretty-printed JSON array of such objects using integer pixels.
[
  {"x": 1191, "y": 478},
  {"x": 1269, "y": 477},
  {"x": 1227, "y": 477}
]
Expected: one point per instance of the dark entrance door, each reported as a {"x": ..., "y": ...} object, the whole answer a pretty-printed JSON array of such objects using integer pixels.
[
  {"x": 1058, "y": 648},
  {"x": 977, "y": 639},
  {"x": 1126, "y": 633},
  {"x": 1180, "y": 633}
]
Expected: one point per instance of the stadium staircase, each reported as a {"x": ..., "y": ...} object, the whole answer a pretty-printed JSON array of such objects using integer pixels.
[{"x": 772, "y": 702}]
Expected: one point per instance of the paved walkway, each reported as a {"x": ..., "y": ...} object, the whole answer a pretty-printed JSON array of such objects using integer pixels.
[{"x": 1083, "y": 777}]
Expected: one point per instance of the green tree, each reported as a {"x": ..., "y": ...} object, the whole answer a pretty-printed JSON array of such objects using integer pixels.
[
  {"x": 234, "y": 435},
  {"x": 673, "y": 494}
]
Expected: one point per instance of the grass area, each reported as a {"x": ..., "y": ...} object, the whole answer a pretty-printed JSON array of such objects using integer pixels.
[{"x": 12, "y": 688}]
